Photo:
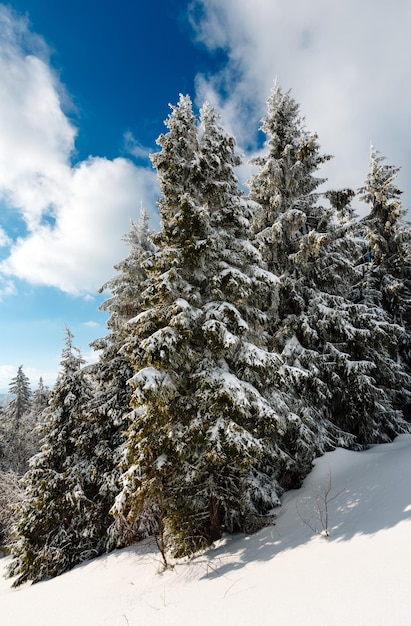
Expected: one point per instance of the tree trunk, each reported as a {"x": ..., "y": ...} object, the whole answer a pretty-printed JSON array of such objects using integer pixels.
[{"x": 216, "y": 519}]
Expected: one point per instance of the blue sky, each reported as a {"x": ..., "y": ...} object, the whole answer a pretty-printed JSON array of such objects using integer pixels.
[{"x": 84, "y": 90}]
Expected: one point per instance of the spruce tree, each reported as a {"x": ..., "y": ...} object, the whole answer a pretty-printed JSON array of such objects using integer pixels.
[
  {"x": 64, "y": 516},
  {"x": 202, "y": 448},
  {"x": 110, "y": 404},
  {"x": 338, "y": 351},
  {"x": 388, "y": 241},
  {"x": 291, "y": 230},
  {"x": 40, "y": 398},
  {"x": 11, "y": 494},
  {"x": 386, "y": 264},
  {"x": 112, "y": 371},
  {"x": 17, "y": 425},
  {"x": 20, "y": 389},
  {"x": 285, "y": 185}
]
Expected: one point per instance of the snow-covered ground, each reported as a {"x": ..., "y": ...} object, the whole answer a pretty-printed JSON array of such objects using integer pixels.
[{"x": 284, "y": 575}]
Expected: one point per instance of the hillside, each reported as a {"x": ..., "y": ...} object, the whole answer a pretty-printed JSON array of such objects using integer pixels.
[{"x": 283, "y": 575}]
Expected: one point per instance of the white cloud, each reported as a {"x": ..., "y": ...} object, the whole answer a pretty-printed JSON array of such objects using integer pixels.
[
  {"x": 77, "y": 253},
  {"x": 91, "y": 324},
  {"x": 7, "y": 372},
  {"x": 346, "y": 63},
  {"x": 36, "y": 138},
  {"x": 91, "y": 356},
  {"x": 75, "y": 216},
  {"x": 4, "y": 238},
  {"x": 134, "y": 147},
  {"x": 7, "y": 288}
]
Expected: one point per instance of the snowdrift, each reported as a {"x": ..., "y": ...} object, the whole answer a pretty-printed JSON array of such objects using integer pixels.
[{"x": 287, "y": 574}]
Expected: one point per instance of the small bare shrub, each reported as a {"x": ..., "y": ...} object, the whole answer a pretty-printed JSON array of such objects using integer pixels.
[{"x": 314, "y": 510}]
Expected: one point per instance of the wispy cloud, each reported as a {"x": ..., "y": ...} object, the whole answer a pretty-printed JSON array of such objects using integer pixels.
[
  {"x": 4, "y": 238},
  {"x": 75, "y": 216},
  {"x": 7, "y": 288},
  {"x": 346, "y": 62},
  {"x": 91, "y": 324},
  {"x": 134, "y": 147}
]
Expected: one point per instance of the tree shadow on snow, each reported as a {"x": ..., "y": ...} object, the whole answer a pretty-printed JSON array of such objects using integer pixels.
[{"x": 369, "y": 492}]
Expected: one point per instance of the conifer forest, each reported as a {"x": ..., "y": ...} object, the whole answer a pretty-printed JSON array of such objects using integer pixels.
[{"x": 255, "y": 331}]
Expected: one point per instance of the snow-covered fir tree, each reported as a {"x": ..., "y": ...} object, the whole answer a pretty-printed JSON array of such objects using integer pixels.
[
  {"x": 2, "y": 436},
  {"x": 11, "y": 494},
  {"x": 338, "y": 351},
  {"x": 20, "y": 389},
  {"x": 40, "y": 398},
  {"x": 285, "y": 185},
  {"x": 245, "y": 338},
  {"x": 110, "y": 403},
  {"x": 202, "y": 450},
  {"x": 388, "y": 242},
  {"x": 386, "y": 260},
  {"x": 17, "y": 425},
  {"x": 64, "y": 517},
  {"x": 288, "y": 226}
]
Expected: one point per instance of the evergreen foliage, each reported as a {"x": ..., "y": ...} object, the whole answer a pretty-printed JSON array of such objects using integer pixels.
[
  {"x": 386, "y": 267},
  {"x": 64, "y": 516},
  {"x": 110, "y": 403},
  {"x": 341, "y": 352},
  {"x": 285, "y": 185},
  {"x": 20, "y": 389},
  {"x": 17, "y": 426},
  {"x": 40, "y": 398},
  {"x": 246, "y": 337},
  {"x": 388, "y": 241},
  {"x": 11, "y": 494},
  {"x": 202, "y": 446}
]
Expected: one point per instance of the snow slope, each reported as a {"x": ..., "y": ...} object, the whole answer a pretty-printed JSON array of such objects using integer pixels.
[{"x": 283, "y": 575}]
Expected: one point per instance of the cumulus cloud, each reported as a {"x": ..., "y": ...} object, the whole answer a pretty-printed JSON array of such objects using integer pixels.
[
  {"x": 346, "y": 63},
  {"x": 77, "y": 251},
  {"x": 75, "y": 216},
  {"x": 36, "y": 138}
]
